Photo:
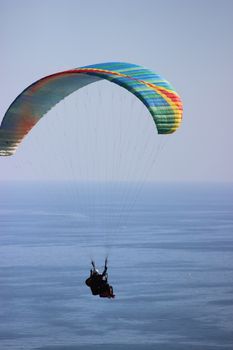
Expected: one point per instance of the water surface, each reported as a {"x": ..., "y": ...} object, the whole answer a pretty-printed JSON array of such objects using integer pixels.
[{"x": 170, "y": 253}]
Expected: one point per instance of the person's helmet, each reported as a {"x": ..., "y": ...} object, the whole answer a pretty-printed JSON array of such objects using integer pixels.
[{"x": 96, "y": 272}]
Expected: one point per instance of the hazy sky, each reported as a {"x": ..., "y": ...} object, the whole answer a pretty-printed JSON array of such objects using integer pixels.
[{"x": 188, "y": 42}]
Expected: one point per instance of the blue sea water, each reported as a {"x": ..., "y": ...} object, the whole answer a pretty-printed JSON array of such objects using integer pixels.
[{"x": 170, "y": 251}]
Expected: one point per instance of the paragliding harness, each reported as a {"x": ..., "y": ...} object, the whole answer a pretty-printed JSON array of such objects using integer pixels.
[{"x": 98, "y": 283}]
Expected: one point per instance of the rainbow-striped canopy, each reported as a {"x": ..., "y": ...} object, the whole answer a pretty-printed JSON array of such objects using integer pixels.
[{"x": 35, "y": 101}]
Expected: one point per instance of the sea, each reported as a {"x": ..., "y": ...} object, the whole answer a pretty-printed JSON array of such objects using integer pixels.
[{"x": 170, "y": 262}]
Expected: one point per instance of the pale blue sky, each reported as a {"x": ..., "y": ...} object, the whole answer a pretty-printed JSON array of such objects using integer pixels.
[{"x": 188, "y": 42}]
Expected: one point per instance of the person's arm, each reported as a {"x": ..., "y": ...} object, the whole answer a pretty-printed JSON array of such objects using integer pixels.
[
  {"x": 105, "y": 271},
  {"x": 105, "y": 267}
]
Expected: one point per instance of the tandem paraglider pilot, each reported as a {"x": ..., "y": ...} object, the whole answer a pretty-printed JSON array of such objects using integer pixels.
[{"x": 98, "y": 282}]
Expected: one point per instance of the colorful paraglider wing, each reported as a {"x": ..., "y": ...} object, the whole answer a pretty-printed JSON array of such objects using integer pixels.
[{"x": 35, "y": 101}]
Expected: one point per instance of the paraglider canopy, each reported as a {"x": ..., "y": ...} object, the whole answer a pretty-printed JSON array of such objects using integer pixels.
[{"x": 163, "y": 103}]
